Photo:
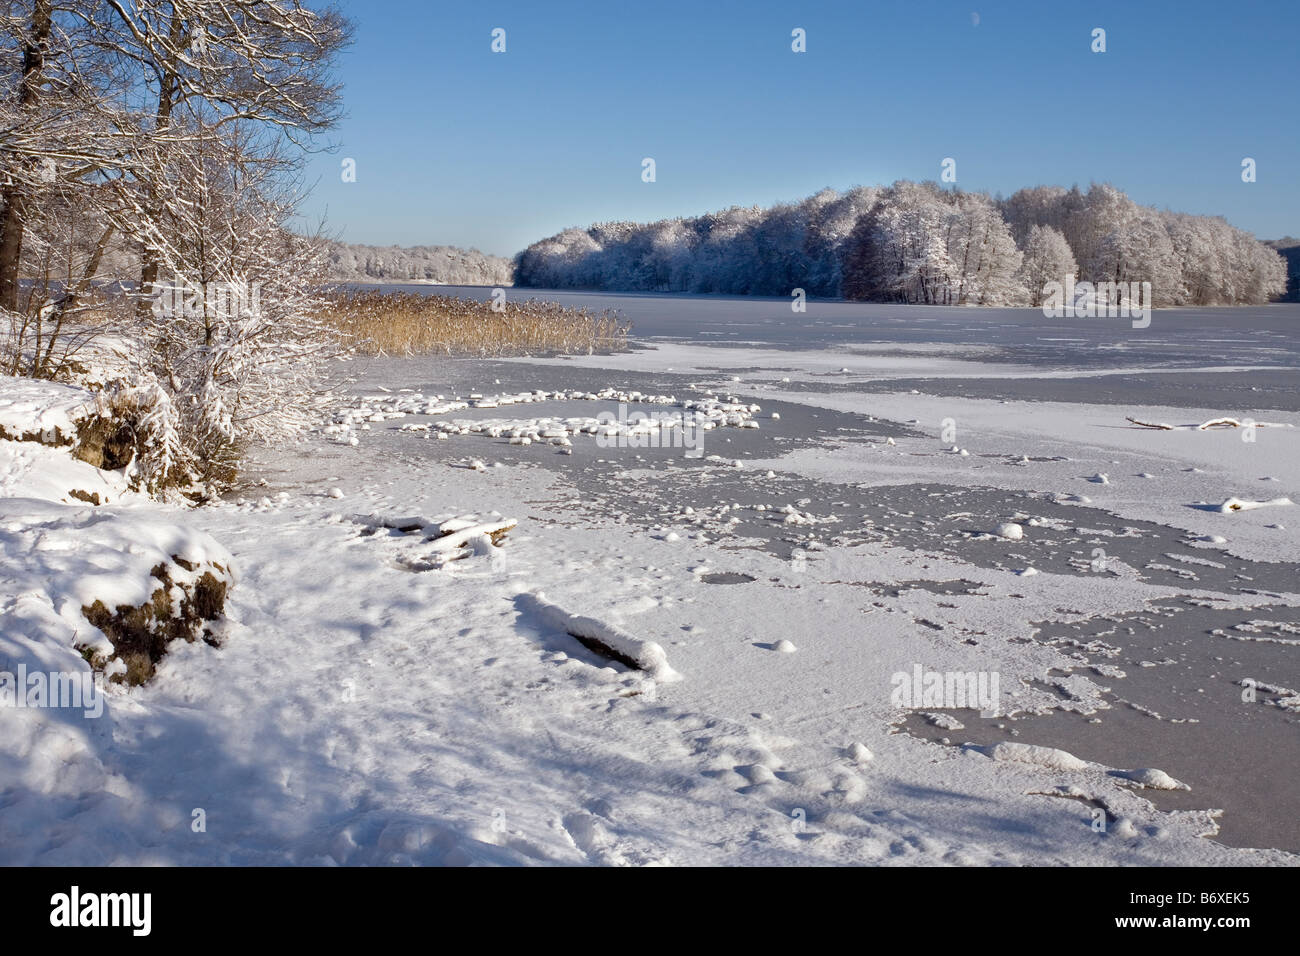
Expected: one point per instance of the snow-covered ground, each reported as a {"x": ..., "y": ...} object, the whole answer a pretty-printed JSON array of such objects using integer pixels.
[{"x": 586, "y": 650}]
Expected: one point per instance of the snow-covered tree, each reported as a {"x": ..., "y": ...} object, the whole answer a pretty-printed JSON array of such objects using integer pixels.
[
  {"x": 232, "y": 346},
  {"x": 174, "y": 128},
  {"x": 922, "y": 245},
  {"x": 1036, "y": 206},
  {"x": 1047, "y": 258},
  {"x": 444, "y": 264},
  {"x": 987, "y": 259}
]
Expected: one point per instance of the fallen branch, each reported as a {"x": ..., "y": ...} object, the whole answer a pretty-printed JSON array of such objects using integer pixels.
[
  {"x": 1225, "y": 422},
  {"x": 1160, "y": 425},
  {"x": 452, "y": 540}
]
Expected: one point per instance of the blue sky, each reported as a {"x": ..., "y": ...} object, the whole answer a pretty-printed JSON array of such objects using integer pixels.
[{"x": 457, "y": 145}]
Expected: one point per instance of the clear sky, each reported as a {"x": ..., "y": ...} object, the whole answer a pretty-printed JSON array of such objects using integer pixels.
[{"x": 457, "y": 145}]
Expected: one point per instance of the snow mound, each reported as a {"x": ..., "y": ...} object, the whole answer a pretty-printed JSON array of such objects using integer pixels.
[
  {"x": 1009, "y": 530},
  {"x": 943, "y": 721},
  {"x": 606, "y": 639},
  {"x": 1048, "y": 757},
  {"x": 69, "y": 565},
  {"x": 1152, "y": 779},
  {"x": 31, "y": 470},
  {"x": 858, "y": 753}
]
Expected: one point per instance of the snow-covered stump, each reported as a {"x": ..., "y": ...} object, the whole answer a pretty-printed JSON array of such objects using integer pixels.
[
  {"x": 138, "y": 582},
  {"x": 188, "y": 599}
]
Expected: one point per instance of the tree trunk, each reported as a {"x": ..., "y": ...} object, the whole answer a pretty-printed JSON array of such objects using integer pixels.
[
  {"x": 167, "y": 90},
  {"x": 12, "y": 219}
]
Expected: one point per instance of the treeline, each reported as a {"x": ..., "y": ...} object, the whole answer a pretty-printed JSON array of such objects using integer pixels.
[
  {"x": 349, "y": 262},
  {"x": 919, "y": 243},
  {"x": 1290, "y": 250}
]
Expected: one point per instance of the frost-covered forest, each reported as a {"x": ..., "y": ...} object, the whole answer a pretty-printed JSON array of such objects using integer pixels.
[
  {"x": 919, "y": 243},
  {"x": 448, "y": 265}
]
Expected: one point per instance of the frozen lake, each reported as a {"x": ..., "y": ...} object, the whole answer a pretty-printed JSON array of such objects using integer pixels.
[
  {"x": 1176, "y": 338},
  {"x": 1123, "y": 613}
]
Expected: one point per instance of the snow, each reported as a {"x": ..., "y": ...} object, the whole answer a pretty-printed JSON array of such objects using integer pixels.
[
  {"x": 28, "y": 469},
  {"x": 1216, "y": 459},
  {"x": 631, "y": 429},
  {"x": 59, "y": 554},
  {"x": 63, "y": 553},
  {"x": 859, "y": 753},
  {"x": 50, "y": 409},
  {"x": 396, "y": 686},
  {"x": 1155, "y": 779},
  {"x": 82, "y": 554}
]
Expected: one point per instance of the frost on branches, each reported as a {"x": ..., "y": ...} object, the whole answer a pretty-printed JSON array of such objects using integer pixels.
[
  {"x": 159, "y": 142},
  {"x": 230, "y": 347}
]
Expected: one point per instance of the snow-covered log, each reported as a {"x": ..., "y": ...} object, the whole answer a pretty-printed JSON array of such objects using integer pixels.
[
  {"x": 1237, "y": 504},
  {"x": 454, "y": 540},
  {"x": 605, "y": 639}
]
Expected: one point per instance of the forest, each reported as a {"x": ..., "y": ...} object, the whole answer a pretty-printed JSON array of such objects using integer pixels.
[
  {"x": 919, "y": 243},
  {"x": 445, "y": 265}
]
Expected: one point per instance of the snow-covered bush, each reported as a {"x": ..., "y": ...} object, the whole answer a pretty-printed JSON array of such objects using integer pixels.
[{"x": 228, "y": 345}]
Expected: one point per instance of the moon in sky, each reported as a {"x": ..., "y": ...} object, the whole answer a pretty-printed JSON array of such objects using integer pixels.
[{"x": 974, "y": 19}]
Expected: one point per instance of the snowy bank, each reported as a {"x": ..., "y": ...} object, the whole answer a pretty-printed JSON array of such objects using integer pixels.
[
  {"x": 35, "y": 410},
  {"x": 90, "y": 583}
]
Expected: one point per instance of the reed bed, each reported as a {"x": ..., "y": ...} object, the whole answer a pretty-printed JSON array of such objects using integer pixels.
[{"x": 408, "y": 323}]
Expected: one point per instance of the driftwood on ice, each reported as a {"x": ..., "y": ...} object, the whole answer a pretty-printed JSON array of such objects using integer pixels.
[{"x": 1224, "y": 422}]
